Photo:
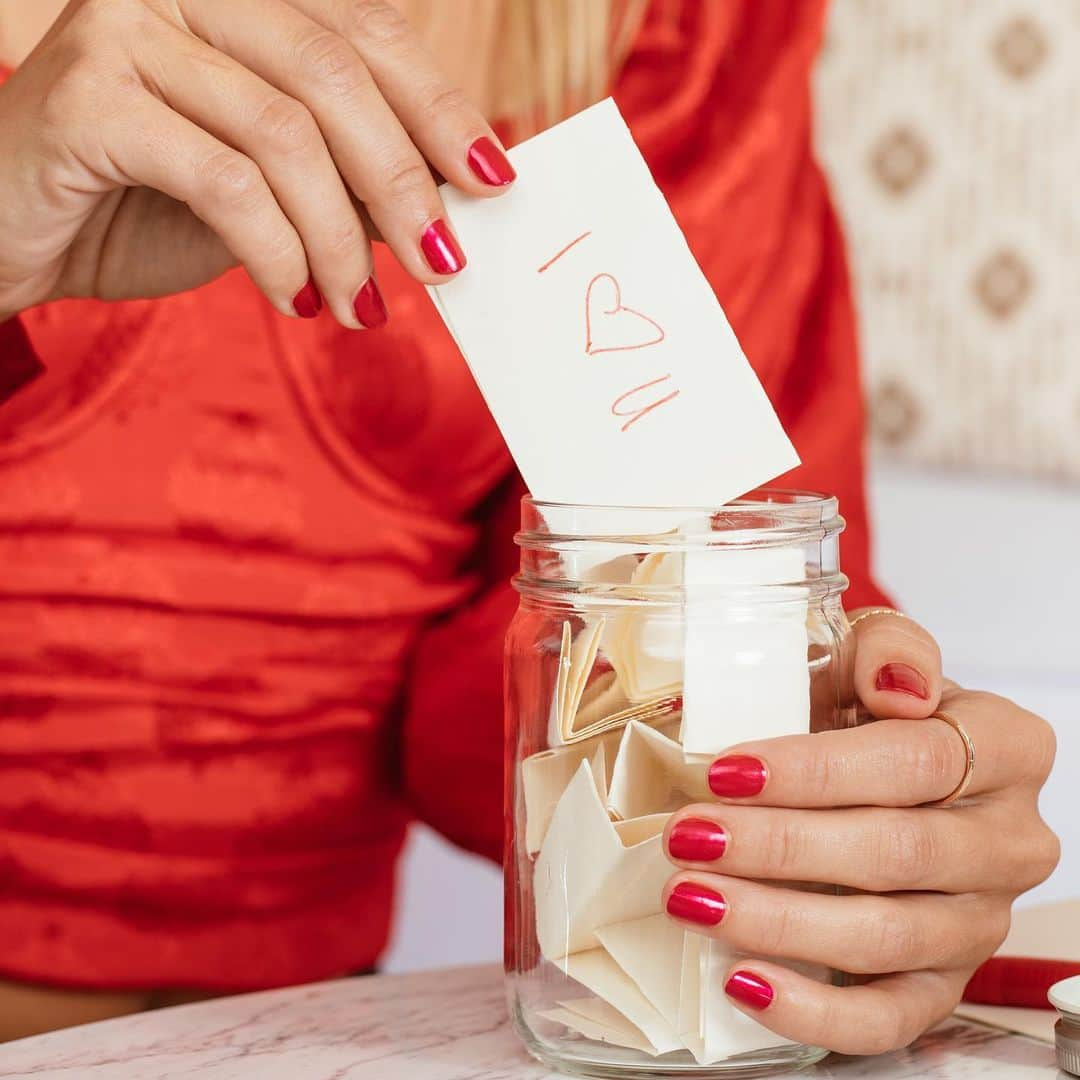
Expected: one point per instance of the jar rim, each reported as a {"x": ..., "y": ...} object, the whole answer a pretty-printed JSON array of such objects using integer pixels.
[
  {"x": 763, "y": 517},
  {"x": 777, "y": 497}
]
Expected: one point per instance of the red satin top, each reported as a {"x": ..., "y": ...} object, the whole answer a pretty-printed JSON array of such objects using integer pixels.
[{"x": 253, "y": 572}]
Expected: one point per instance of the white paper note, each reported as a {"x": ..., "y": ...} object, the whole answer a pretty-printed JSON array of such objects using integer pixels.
[
  {"x": 596, "y": 970},
  {"x": 650, "y": 951},
  {"x": 651, "y": 775},
  {"x": 595, "y": 338},
  {"x": 745, "y": 666},
  {"x": 590, "y": 872},
  {"x": 596, "y": 1019},
  {"x": 544, "y": 777}
]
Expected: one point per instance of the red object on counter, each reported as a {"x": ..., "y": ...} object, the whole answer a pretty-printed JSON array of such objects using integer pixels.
[
  {"x": 254, "y": 571},
  {"x": 1018, "y": 981}
]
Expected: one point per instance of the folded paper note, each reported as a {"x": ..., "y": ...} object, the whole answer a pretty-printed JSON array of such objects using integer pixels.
[
  {"x": 596, "y": 1019},
  {"x": 645, "y": 647},
  {"x": 545, "y": 776},
  {"x": 595, "y": 338},
  {"x": 596, "y": 970},
  {"x": 591, "y": 872},
  {"x": 651, "y": 775}
]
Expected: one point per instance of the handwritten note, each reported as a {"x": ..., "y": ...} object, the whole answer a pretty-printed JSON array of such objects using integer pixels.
[{"x": 595, "y": 338}]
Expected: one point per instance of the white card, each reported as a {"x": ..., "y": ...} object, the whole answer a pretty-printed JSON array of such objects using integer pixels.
[{"x": 595, "y": 338}]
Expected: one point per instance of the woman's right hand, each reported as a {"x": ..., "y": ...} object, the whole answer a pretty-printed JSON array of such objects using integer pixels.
[{"x": 148, "y": 145}]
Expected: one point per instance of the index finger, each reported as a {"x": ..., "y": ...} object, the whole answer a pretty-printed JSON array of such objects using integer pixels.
[{"x": 449, "y": 130}]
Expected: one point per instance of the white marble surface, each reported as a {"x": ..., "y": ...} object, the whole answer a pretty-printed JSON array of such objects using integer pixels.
[{"x": 439, "y": 1025}]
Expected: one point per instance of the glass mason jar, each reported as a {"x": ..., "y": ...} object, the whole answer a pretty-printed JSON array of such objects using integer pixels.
[{"x": 646, "y": 642}]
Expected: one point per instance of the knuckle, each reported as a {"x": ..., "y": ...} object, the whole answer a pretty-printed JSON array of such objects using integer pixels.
[
  {"x": 995, "y": 924},
  {"x": 345, "y": 238},
  {"x": 378, "y": 23},
  {"x": 1043, "y": 747},
  {"x": 231, "y": 179},
  {"x": 405, "y": 178},
  {"x": 444, "y": 99},
  {"x": 285, "y": 126},
  {"x": 328, "y": 59},
  {"x": 931, "y": 760},
  {"x": 68, "y": 96},
  {"x": 903, "y": 854},
  {"x": 818, "y": 775},
  {"x": 782, "y": 851},
  {"x": 892, "y": 938},
  {"x": 779, "y": 929},
  {"x": 1044, "y": 854}
]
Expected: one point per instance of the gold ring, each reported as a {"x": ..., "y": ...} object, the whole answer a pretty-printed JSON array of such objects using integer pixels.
[
  {"x": 969, "y": 772},
  {"x": 876, "y": 611}
]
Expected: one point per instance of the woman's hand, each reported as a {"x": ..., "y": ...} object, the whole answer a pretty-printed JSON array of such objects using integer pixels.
[
  {"x": 148, "y": 145},
  {"x": 932, "y": 886}
]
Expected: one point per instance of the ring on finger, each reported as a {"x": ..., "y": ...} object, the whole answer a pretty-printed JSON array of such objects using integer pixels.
[
  {"x": 969, "y": 769},
  {"x": 876, "y": 611}
]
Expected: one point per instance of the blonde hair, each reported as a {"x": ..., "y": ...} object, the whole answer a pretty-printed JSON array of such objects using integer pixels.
[{"x": 530, "y": 62}]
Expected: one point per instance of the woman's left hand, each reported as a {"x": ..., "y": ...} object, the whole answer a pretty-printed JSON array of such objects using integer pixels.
[{"x": 933, "y": 886}]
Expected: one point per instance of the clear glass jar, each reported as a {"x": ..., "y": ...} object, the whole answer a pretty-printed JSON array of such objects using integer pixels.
[{"x": 647, "y": 641}]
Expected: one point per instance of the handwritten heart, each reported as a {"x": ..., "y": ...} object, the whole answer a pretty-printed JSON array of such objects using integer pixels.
[{"x": 612, "y": 327}]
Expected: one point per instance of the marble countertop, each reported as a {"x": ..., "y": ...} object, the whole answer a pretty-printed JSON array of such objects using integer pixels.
[{"x": 440, "y": 1025}]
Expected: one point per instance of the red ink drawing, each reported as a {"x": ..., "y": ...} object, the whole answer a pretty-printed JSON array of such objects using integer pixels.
[
  {"x": 636, "y": 414},
  {"x": 562, "y": 251},
  {"x": 612, "y": 327}
]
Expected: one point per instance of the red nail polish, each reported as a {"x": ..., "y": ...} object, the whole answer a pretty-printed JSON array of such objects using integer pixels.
[
  {"x": 307, "y": 303},
  {"x": 736, "y": 776},
  {"x": 441, "y": 250},
  {"x": 490, "y": 164},
  {"x": 902, "y": 679},
  {"x": 694, "y": 840},
  {"x": 369, "y": 306},
  {"x": 696, "y": 904},
  {"x": 749, "y": 989}
]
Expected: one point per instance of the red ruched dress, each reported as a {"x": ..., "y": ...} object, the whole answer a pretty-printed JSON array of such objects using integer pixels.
[{"x": 254, "y": 572}]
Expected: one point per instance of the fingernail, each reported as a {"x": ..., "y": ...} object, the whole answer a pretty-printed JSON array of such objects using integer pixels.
[
  {"x": 441, "y": 250},
  {"x": 307, "y": 303},
  {"x": 490, "y": 164},
  {"x": 902, "y": 679},
  {"x": 736, "y": 776},
  {"x": 369, "y": 306},
  {"x": 695, "y": 840},
  {"x": 749, "y": 989},
  {"x": 696, "y": 904}
]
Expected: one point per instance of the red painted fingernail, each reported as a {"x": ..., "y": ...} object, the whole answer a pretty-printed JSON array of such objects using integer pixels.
[
  {"x": 696, "y": 904},
  {"x": 749, "y": 989},
  {"x": 902, "y": 679},
  {"x": 490, "y": 164},
  {"x": 369, "y": 305},
  {"x": 696, "y": 840},
  {"x": 441, "y": 250},
  {"x": 736, "y": 776},
  {"x": 307, "y": 303}
]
